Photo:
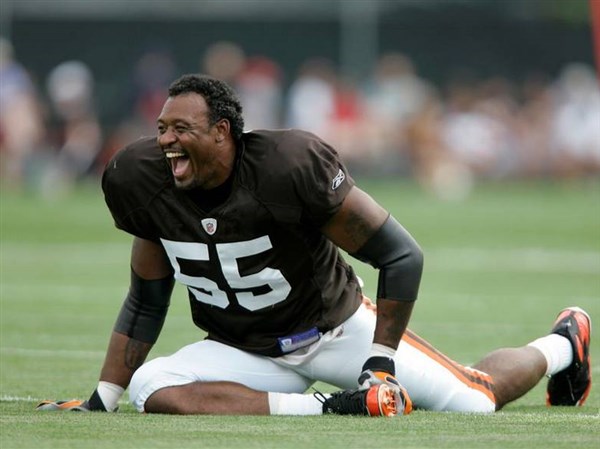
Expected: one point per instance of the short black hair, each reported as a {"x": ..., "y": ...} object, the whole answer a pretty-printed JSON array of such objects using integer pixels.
[{"x": 221, "y": 99}]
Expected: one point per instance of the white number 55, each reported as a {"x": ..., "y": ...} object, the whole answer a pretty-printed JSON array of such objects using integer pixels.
[{"x": 207, "y": 291}]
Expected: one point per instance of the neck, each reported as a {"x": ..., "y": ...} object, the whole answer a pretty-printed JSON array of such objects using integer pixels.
[
  {"x": 226, "y": 165},
  {"x": 208, "y": 199}
]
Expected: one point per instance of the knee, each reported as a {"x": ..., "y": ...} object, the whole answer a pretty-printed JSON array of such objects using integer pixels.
[
  {"x": 138, "y": 380},
  {"x": 147, "y": 379}
]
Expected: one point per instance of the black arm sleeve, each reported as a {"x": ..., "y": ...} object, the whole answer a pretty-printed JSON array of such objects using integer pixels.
[
  {"x": 145, "y": 308},
  {"x": 399, "y": 259}
]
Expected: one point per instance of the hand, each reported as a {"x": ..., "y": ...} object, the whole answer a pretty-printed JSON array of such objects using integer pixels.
[
  {"x": 378, "y": 370},
  {"x": 381, "y": 370}
]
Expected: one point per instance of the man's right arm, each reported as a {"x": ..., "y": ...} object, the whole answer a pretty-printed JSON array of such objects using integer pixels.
[{"x": 139, "y": 322}]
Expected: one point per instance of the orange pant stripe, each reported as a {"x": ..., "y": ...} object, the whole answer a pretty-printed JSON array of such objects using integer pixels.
[{"x": 473, "y": 379}]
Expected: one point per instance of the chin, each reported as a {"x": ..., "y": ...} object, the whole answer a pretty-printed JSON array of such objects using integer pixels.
[{"x": 187, "y": 184}]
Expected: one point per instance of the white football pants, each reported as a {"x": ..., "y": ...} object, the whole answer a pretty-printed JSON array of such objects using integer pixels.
[{"x": 432, "y": 380}]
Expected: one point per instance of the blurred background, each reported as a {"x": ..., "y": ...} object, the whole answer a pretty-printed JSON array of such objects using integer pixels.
[{"x": 449, "y": 93}]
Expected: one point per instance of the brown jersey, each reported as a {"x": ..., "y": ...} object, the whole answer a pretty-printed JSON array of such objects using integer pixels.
[{"x": 258, "y": 271}]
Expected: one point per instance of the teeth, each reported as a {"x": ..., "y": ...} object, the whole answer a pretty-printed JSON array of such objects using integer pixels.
[{"x": 173, "y": 153}]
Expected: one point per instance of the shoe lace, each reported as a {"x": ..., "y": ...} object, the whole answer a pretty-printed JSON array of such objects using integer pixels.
[{"x": 343, "y": 402}]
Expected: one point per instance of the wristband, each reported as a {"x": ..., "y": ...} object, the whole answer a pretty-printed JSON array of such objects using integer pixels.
[
  {"x": 378, "y": 350},
  {"x": 109, "y": 394}
]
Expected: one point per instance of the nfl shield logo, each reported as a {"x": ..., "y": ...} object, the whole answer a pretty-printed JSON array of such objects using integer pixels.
[{"x": 209, "y": 225}]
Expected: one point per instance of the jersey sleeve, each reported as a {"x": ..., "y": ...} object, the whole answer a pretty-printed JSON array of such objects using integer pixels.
[
  {"x": 321, "y": 180},
  {"x": 128, "y": 183}
]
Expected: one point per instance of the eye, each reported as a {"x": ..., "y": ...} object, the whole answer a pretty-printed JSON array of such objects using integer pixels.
[{"x": 181, "y": 129}]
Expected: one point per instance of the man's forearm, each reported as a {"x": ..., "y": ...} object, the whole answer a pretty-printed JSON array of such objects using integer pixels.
[
  {"x": 123, "y": 357},
  {"x": 392, "y": 320}
]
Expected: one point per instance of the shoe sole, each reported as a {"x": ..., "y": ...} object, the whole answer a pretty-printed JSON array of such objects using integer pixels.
[{"x": 586, "y": 393}]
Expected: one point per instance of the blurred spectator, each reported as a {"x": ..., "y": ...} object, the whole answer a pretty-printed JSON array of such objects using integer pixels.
[
  {"x": 153, "y": 72},
  {"x": 392, "y": 96},
  {"x": 534, "y": 120},
  {"x": 576, "y": 122},
  {"x": 22, "y": 127},
  {"x": 497, "y": 102},
  {"x": 78, "y": 135},
  {"x": 257, "y": 80},
  {"x": 347, "y": 129},
  {"x": 433, "y": 166},
  {"x": 311, "y": 97},
  {"x": 322, "y": 102},
  {"x": 395, "y": 93},
  {"x": 223, "y": 60},
  {"x": 472, "y": 135},
  {"x": 260, "y": 90}
]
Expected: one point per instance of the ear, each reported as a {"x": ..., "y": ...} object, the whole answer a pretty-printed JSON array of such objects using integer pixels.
[{"x": 222, "y": 130}]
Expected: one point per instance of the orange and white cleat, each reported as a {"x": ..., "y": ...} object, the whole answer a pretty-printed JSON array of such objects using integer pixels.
[
  {"x": 572, "y": 385},
  {"x": 378, "y": 400},
  {"x": 74, "y": 405}
]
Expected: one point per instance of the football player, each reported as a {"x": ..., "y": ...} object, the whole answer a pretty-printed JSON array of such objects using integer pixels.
[{"x": 252, "y": 223}]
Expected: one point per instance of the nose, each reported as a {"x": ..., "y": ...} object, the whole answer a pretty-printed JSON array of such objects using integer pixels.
[{"x": 167, "y": 138}]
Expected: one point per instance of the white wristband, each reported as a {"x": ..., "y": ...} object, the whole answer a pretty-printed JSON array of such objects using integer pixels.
[
  {"x": 378, "y": 350},
  {"x": 109, "y": 394}
]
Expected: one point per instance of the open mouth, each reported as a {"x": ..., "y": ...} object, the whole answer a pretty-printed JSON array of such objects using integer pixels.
[{"x": 179, "y": 161}]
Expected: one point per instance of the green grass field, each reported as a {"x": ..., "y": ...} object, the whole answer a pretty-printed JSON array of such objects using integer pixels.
[{"x": 499, "y": 266}]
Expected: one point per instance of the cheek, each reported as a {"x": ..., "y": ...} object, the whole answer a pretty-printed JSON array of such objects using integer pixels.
[{"x": 201, "y": 158}]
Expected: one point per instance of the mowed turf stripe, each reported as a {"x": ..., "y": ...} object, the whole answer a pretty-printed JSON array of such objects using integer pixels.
[
  {"x": 514, "y": 259},
  {"x": 439, "y": 259},
  {"x": 66, "y": 353}
]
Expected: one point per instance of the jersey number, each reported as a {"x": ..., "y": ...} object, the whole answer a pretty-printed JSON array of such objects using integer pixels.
[{"x": 207, "y": 291}]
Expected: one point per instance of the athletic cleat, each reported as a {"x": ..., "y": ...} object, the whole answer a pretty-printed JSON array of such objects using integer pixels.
[
  {"x": 378, "y": 400},
  {"x": 73, "y": 405},
  {"x": 572, "y": 385}
]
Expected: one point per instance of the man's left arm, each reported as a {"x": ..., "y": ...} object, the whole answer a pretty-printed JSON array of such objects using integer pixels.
[{"x": 368, "y": 232}]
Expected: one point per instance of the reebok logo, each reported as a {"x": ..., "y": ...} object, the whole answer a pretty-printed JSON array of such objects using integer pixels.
[{"x": 339, "y": 178}]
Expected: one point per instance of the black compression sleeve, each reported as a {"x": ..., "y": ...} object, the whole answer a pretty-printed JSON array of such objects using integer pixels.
[
  {"x": 145, "y": 308},
  {"x": 399, "y": 259}
]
